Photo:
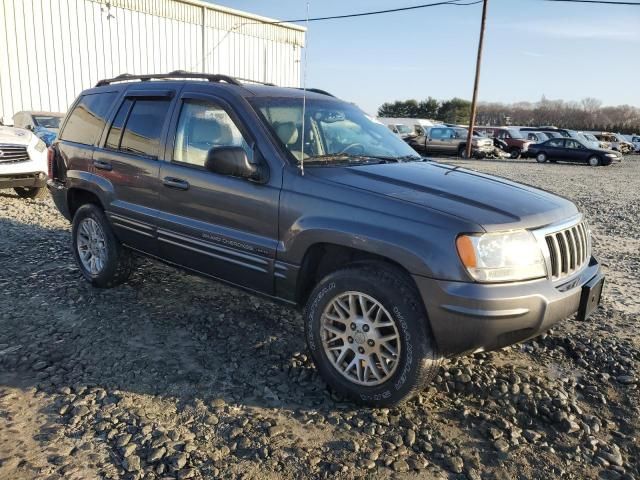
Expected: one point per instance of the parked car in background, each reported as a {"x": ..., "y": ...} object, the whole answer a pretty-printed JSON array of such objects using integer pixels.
[
  {"x": 517, "y": 144},
  {"x": 23, "y": 162},
  {"x": 635, "y": 139},
  {"x": 397, "y": 262},
  {"x": 571, "y": 150},
  {"x": 537, "y": 137},
  {"x": 552, "y": 131},
  {"x": 616, "y": 141},
  {"x": 415, "y": 125},
  {"x": 45, "y": 125},
  {"x": 451, "y": 141},
  {"x": 590, "y": 140},
  {"x": 403, "y": 131}
]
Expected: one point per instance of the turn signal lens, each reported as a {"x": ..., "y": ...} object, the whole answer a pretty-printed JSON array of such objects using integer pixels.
[{"x": 466, "y": 251}]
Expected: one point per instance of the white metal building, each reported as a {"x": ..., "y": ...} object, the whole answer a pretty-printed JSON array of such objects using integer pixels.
[{"x": 50, "y": 50}]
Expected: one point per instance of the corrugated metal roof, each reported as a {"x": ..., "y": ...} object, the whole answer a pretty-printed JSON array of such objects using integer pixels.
[{"x": 216, "y": 16}]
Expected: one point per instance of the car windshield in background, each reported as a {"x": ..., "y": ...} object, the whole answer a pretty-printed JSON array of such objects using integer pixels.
[
  {"x": 335, "y": 132},
  {"x": 514, "y": 133},
  {"x": 47, "y": 121}
]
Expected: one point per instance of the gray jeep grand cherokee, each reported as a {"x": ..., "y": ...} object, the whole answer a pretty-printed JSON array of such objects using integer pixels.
[{"x": 397, "y": 261}]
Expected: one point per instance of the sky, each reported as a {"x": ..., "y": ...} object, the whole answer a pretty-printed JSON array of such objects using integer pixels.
[{"x": 532, "y": 48}]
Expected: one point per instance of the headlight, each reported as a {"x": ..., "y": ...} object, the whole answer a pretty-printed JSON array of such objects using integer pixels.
[
  {"x": 501, "y": 257},
  {"x": 612, "y": 155},
  {"x": 40, "y": 146}
]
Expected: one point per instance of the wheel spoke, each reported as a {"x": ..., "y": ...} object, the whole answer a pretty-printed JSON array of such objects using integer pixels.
[
  {"x": 336, "y": 318},
  {"x": 388, "y": 338},
  {"x": 334, "y": 330},
  {"x": 342, "y": 356}
]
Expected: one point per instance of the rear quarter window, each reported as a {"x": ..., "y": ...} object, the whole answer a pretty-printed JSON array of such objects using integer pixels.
[{"x": 88, "y": 118}]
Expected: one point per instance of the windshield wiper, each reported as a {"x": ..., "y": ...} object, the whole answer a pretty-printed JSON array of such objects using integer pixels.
[
  {"x": 367, "y": 159},
  {"x": 343, "y": 158}
]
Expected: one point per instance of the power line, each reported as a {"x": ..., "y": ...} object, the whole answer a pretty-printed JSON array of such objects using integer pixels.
[
  {"x": 601, "y": 2},
  {"x": 379, "y": 12},
  {"x": 236, "y": 27}
]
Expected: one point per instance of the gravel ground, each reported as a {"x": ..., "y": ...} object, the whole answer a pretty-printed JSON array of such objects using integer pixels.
[{"x": 173, "y": 376}]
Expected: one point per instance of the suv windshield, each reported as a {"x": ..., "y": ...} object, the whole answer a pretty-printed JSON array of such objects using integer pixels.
[
  {"x": 334, "y": 131},
  {"x": 404, "y": 129},
  {"x": 47, "y": 121}
]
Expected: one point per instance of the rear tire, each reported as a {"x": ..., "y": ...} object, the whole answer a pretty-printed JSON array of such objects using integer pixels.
[
  {"x": 31, "y": 192},
  {"x": 541, "y": 157},
  {"x": 102, "y": 259},
  {"x": 594, "y": 161},
  {"x": 349, "y": 318}
]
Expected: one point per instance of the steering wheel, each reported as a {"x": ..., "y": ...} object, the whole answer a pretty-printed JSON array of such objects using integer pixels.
[{"x": 353, "y": 145}]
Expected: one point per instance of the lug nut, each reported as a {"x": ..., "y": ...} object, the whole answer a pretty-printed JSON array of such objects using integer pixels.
[
  {"x": 361, "y": 350},
  {"x": 353, "y": 326},
  {"x": 371, "y": 343},
  {"x": 365, "y": 328},
  {"x": 350, "y": 339}
]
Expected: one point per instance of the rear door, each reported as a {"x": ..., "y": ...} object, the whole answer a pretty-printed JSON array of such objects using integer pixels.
[
  {"x": 219, "y": 225},
  {"x": 128, "y": 159}
]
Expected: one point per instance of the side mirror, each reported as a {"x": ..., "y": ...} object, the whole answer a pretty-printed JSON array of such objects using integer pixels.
[
  {"x": 30, "y": 127},
  {"x": 234, "y": 161}
]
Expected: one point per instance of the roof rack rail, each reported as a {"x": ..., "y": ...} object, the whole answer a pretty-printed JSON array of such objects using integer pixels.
[
  {"x": 317, "y": 90},
  {"x": 126, "y": 77}
]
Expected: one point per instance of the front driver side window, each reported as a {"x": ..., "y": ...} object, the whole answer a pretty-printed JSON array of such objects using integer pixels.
[{"x": 201, "y": 127}]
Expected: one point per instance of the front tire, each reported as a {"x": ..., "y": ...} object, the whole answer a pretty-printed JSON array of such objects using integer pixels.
[
  {"x": 31, "y": 192},
  {"x": 369, "y": 336},
  {"x": 515, "y": 153},
  {"x": 541, "y": 158},
  {"x": 462, "y": 152},
  {"x": 102, "y": 259},
  {"x": 594, "y": 161}
]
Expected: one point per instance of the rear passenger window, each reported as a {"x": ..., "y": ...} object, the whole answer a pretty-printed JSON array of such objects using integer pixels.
[
  {"x": 87, "y": 120},
  {"x": 113, "y": 140},
  {"x": 142, "y": 132}
]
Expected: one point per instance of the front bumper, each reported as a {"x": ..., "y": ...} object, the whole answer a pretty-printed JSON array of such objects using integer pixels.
[
  {"x": 467, "y": 317},
  {"x": 12, "y": 180}
]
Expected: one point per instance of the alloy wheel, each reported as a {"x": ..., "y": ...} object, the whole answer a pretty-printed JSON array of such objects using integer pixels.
[
  {"x": 92, "y": 247},
  {"x": 360, "y": 338}
]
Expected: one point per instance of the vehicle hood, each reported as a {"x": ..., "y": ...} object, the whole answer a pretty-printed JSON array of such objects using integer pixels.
[
  {"x": 494, "y": 203},
  {"x": 14, "y": 136}
]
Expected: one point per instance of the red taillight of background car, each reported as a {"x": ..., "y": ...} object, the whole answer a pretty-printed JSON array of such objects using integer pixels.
[{"x": 50, "y": 157}]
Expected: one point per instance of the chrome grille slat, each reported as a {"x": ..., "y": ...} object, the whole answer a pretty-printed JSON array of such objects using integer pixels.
[
  {"x": 13, "y": 153},
  {"x": 568, "y": 250},
  {"x": 576, "y": 241}
]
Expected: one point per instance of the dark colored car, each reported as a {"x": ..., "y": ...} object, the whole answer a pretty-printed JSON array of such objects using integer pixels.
[
  {"x": 571, "y": 150},
  {"x": 396, "y": 261},
  {"x": 516, "y": 144}
]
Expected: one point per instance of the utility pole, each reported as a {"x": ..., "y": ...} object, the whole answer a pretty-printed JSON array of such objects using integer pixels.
[{"x": 472, "y": 120}]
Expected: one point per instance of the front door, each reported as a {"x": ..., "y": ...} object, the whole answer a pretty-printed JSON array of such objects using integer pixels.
[{"x": 219, "y": 225}]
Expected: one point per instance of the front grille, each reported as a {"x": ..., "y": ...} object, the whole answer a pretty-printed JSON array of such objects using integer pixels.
[
  {"x": 13, "y": 153},
  {"x": 568, "y": 250}
]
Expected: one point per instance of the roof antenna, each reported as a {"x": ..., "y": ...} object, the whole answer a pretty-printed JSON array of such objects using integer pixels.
[{"x": 304, "y": 92}]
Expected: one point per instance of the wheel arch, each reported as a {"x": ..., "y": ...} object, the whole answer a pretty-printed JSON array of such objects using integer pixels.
[{"x": 323, "y": 258}]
